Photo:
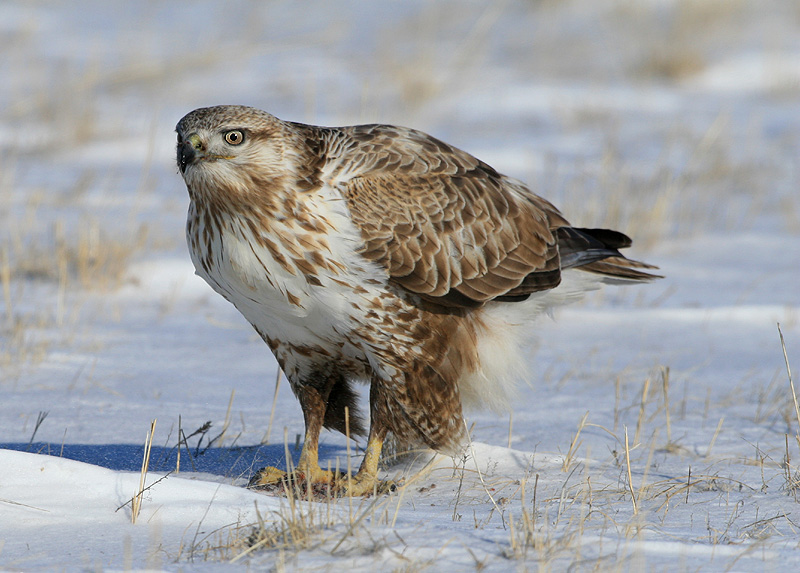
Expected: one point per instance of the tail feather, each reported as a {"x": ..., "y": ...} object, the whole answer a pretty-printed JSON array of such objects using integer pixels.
[
  {"x": 622, "y": 270},
  {"x": 597, "y": 251}
]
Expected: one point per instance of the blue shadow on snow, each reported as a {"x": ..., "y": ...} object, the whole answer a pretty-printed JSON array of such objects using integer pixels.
[{"x": 233, "y": 462}]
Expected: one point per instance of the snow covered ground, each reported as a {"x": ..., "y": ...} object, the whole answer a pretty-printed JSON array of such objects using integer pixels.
[{"x": 674, "y": 121}]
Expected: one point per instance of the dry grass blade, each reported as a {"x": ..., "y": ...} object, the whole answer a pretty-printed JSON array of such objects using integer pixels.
[
  {"x": 5, "y": 278},
  {"x": 178, "y": 456},
  {"x": 665, "y": 389},
  {"x": 226, "y": 424},
  {"x": 630, "y": 478},
  {"x": 265, "y": 439},
  {"x": 480, "y": 475},
  {"x": 40, "y": 418},
  {"x": 354, "y": 522},
  {"x": 411, "y": 480},
  {"x": 349, "y": 468},
  {"x": 12, "y": 502},
  {"x": 714, "y": 437},
  {"x": 791, "y": 381},
  {"x": 574, "y": 445},
  {"x": 642, "y": 406},
  {"x": 136, "y": 503}
]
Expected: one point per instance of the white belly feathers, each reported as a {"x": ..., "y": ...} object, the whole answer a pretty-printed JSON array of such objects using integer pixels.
[{"x": 283, "y": 278}]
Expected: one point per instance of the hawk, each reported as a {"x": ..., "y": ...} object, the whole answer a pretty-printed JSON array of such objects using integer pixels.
[{"x": 380, "y": 254}]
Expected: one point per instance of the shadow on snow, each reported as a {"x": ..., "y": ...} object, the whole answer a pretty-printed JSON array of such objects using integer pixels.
[{"x": 232, "y": 462}]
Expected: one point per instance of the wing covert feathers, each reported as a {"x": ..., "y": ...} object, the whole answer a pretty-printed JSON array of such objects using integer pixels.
[{"x": 450, "y": 228}]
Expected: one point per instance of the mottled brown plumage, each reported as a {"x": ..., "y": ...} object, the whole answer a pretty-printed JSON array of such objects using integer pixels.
[{"x": 380, "y": 254}]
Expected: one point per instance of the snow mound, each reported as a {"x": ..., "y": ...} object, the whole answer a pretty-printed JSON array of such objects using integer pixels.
[{"x": 49, "y": 497}]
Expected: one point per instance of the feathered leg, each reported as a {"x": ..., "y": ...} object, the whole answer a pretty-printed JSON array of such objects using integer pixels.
[
  {"x": 323, "y": 400},
  {"x": 313, "y": 402},
  {"x": 313, "y": 397},
  {"x": 366, "y": 480}
]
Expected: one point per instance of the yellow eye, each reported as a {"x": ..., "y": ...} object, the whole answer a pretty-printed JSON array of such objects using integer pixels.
[{"x": 234, "y": 137}]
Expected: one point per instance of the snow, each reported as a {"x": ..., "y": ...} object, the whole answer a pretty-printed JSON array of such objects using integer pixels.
[
  {"x": 45, "y": 495},
  {"x": 675, "y": 122}
]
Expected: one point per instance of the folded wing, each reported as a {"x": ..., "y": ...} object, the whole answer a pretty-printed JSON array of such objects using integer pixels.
[{"x": 451, "y": 229}]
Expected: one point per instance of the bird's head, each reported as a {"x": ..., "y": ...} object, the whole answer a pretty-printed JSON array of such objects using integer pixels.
[{"x": 224, "y": 147}]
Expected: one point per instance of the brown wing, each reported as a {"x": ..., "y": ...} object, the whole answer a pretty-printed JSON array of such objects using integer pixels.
[{"x": 446, "y": 225}]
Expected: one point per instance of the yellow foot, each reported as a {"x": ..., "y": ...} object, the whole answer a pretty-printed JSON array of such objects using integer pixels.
[
  {"x": 362, "y": 485},
  {"x": 270, "y": 478},
  {"x": 266, "y": 477},
  {"x": 322, "y": 483}
]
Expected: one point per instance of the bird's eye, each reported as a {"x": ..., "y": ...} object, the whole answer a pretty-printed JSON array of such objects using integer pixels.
[{"x": 234, "y": 137}]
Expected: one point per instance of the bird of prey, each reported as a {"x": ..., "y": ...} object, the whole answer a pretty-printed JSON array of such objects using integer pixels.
[{"x": 380, "y": 254}]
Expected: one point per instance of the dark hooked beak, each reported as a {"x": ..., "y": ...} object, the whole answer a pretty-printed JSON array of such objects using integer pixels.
[
  {"x": 186, "y": 155},
  {"x": 189, "y": 151}
]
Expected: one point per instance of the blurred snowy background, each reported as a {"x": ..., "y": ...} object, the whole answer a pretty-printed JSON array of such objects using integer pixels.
[{"x": 675, "y": 121}]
